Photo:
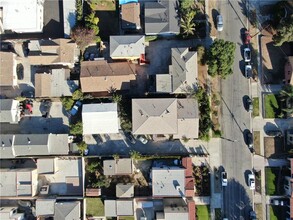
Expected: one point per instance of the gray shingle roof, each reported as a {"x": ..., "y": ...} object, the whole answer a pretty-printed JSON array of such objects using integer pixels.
[
  {"x": 124, "y": 207},
  {"x": 117, "y": 167},
  {"x": 110, "y": 208},
  {"x": 131, "y": 46},
  {"x": 124, "y": 190},
  {"x": 9, "y": 110},
  {"x": 45, "y": 207},
  {"x": 67, "y": 210},
  {"x": 161, "y": 17}
]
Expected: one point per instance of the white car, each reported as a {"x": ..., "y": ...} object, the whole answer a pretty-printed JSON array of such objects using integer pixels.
[
  {"x": 219, "y": 23},
  {"x": 251, "y": 181},
  {"x": 142, "y": 139},
  {"x": 224, "y": 178},
  {"x": 247, "y": 55}
]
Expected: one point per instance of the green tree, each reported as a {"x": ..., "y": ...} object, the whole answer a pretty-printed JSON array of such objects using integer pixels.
[
  {"x": 91, "y": 22},
  {"x": 284, "y": 32},
  {"x": 187, "y": 24},
  {"x": 82, "y": 146},
  {"x": 221, "y": 58},
  {"x": 93, "y": 166},
  {"x": 67, "y": 103},
  {"x": 135, "y": 155},
  {"x": 76, "y": 128},
  {"x": 77, "y": 95},
  {"x": 117, "y": 98},
  {"x": 79, "y": 10},
  {"x": 286, "y": 95},
  {"x": 116, "y": 156},
  {"x": 186, "y": 5},
  {"x": 83, "y": 36}
]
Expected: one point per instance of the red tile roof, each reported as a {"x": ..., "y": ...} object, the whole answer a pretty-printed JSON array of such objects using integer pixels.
[{"x": 187, "y": 163}]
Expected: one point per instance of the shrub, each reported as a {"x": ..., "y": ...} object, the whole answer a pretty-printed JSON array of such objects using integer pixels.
[
  {"x": 82, "y": 146},
  {"x": 76, "y": 128},
  {"x": 67, "y": 103},
  {"x": 77, "y": 95}
]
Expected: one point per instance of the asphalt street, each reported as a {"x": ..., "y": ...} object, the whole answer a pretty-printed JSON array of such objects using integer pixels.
[{"x": 236, "y": 157}]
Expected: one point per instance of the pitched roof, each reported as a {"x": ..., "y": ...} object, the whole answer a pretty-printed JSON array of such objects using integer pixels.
[
  {"x": 100, "y": 118},
  {"x": 48, "y": 52},
  {"x": 110, "y": 208},
  {"x": 175, "y": 209},
  {"x": 117, "y": 167},
  {"x": 161, "y": 17},
  {"x": 171, "y": 116},
  {"x": 124, "y": 207},
  {"x": 100, "y": 76},
  {"x": 34, "y": 145},
  {"x": 67, "y": 210},
  {"x": 182, "y": 72},
  {"x": 166, "y": 179},
  {"x": 7, "y": 69},
  {"x": 124, "y": 190},
  {"x": 9, "y": 110},
  {"x": 147, "y": 112},
  {"x": 46, "y": 165},
  {"x": 127, "y": 46},
  {"x": 55, "y": 84},
  {"x": 130, "y": 16},
  {"x": 45, "y": 207}
]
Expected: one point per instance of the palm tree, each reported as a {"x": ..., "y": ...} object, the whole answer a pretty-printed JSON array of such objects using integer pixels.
[
  {"x": 187, "y": 24},
  {"x": 286, "y": 95}
]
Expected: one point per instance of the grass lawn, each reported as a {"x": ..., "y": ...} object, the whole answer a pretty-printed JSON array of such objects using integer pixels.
[
  {"x": 94, "y": 207},
  {"x": 272, "y": 214},
  {"x": 203, "y": 212},
  {"x": 255, "y": 107},
  {"x": 271, "y": 175},
  {"x": 258, "y": 211},
  {"x": 126, "y": 218},
  {"x": 272, "y": 109},
  {"x": 104, "y": 5},
  {"x": 256, "y": 141}
]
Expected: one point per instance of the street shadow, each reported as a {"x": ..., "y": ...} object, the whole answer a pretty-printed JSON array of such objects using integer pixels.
[
  {"x": 242, "y": 67},
  {"x": 270, "y": 126},
  {"x": 239, "y": 205}
]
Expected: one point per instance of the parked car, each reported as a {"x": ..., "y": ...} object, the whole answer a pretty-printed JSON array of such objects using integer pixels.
[
  {"x": 142, "y": 139},
  {"x": 130, "y": 137},
  {"x": 6, "y": 46},
  {"x": 274, "y": 133},
  {"x": 249, "y": 139},
  {"x": 75, "y": 108},
  {"x": 246, "y": 37},
  {"x": 45, "y": 108},
  {"x": 248, "y": 70},
  {"x": 219, "y": 23},
  {"x": 279, "y": 202},
  {"x": 249, "y": 105},
  {"x": 247, "y": 54},
  {"x": 224, "y": 178},
  {"x": 251, "y": 181},
  {"x": 28, "y": 94}
]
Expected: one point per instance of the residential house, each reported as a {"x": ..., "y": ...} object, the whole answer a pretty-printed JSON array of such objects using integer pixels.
[
  {"x": 19, "y": 182},
  {"x": 288, "y": 189},
  {"x": 8, "y": 76},
  {"x": 118, "y": 167},
  {"x": 7, "y": 213},
  {"x": 177, "y": 117},
  {"x": 161, "y": 17},
  {"x": 124, "y": 190},
  {"x": 128, "y": 47},
  {"x": 21, "y": 16},
  {"x": 32, "y": 145},
  {"x": 182, "y": 77},
  {"x": 130, "y": 16},
  {"x": 102, "y": 78},
  {"x": 176, "y": 208},
  {"x": 289, "y": 71},
  {"x": 53, "y": 52},
  {"x": 121, "y": 207},
  {"x": 55, "y": 84},
  {"x": 9, "y": 111},
  {"x": 60, "y": 176},
  {"x": 100, "y": 118},
  {"x": 61, "y": 210}
]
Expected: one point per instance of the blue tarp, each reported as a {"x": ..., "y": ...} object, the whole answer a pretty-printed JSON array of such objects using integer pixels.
[{"x": 122, "y": 2}]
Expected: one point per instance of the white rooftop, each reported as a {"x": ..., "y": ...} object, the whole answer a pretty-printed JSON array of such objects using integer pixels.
[
  {"x": 23, "y": 16},
  {"x": 100, "y": 118}
]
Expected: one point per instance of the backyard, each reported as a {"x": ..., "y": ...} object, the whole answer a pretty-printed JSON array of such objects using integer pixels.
[
  {"x": 272, "y": 106},
  {"x": 272, "y": 182},
  {"x": 203, "y": 212},
  {"x": 201, "y": 180},
  {"x": 104, "y": 5},
  {"x": 94, "y": 207}
]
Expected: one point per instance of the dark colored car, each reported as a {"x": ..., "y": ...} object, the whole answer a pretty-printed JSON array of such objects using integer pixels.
[
  {"x": 6, "y": 46},
  {"x": 249, "y": 139},
  {"x": 19, "y": 71},
  {"x": 130, "y": 137},
  {"x": 274, "y": 133},
  {"x": 28, "y": 94},
  {"x": 249, "y": 105},
  {"x": 45, "y": 108}
]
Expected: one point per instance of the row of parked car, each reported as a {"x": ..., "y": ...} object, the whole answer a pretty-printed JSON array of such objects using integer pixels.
[{"x": 247, "y": 54}]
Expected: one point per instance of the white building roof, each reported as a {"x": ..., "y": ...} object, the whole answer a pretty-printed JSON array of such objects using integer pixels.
[
  {"x": 69, "y": 14},
  {"x": 100, "y": 118},
  {"x": 23, "y": 16}
]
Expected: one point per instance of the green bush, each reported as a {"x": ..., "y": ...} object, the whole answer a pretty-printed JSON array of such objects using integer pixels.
[
  {"x": 67, "y": 103},
  {"x": 77, "y": 95},
  {"x": 76, "y": 128},
  {"x": 82, "y": 146}
]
